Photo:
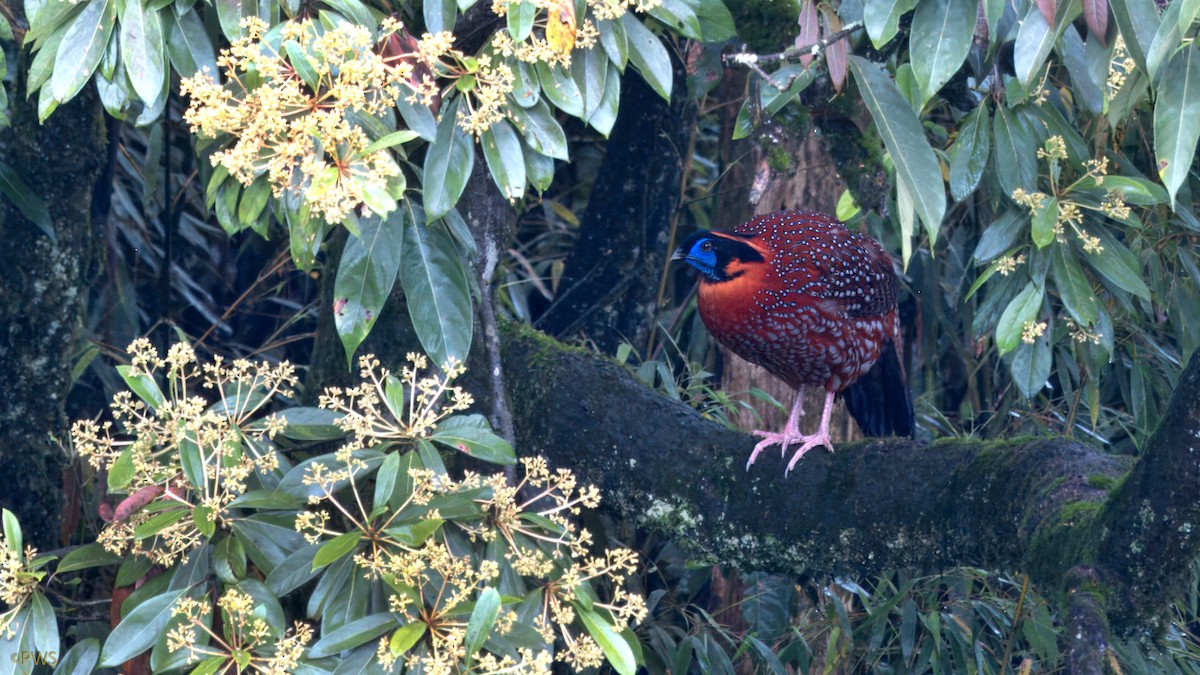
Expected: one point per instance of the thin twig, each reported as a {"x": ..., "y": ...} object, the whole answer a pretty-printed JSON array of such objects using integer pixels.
[
  {"x": 1008, "y": 643},
  {"x": 751, "y": 60}
]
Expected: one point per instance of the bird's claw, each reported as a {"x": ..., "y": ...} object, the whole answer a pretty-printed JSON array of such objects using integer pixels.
[{"x": 784, "y": 440}]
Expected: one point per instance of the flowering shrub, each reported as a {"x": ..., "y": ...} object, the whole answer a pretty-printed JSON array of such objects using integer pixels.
[{"x": 218, "y": 519}]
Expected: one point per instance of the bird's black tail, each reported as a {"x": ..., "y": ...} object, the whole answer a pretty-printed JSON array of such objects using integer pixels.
[{"x": 881, "y": 401}]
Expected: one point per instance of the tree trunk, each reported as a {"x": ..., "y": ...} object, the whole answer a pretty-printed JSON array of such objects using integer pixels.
[
  {"x": 1043, "y": 505},
  {"x": 43, "y": 285}
]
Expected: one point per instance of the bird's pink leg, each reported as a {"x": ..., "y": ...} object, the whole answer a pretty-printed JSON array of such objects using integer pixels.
[
  {"x": 819, "y": 438},
  {"x": 791, "y": 432}
]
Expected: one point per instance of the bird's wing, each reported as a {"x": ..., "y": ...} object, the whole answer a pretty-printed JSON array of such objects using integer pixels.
[{"x": 849, "y": 269}]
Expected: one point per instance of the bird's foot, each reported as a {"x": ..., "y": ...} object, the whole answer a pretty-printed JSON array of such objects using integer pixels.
[
  {"x": 785, "y": 439},
  {"x": 810, "y": 442}
]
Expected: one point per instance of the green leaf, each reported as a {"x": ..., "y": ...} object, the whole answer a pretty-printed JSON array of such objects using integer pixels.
[
  {"x": 520, "y": 18},
  {"x": 439, "y": 15},
  {"x": 1118, "y": 264},
  {"x": 188, "y": 45},
  {"x": 479, "y": 626},
  {"x": 336, "y": 548},
  {"x": 418, "y": 118},
  {"x": 541, "y": 130},
  {"x": 716, "y": 22},
  {"x": 390, "y": 141},
  {"x": 200, "y": 518},
  {"x": 415, "y": 534},
  {"x": 410, "y": 633},
  {"x": 143, "y": 49},
  {"x": 1138, "y": 20},
  {"x": 1035, "y": 37},
  {"x": 448, "y": 163},
  {"x": 560, "y": 89},
  {"x": 293, "y": 483},
  {"x": 971, "y": 151},
  {"x": 471, "y": 434},
  {"x": 311, "y": 424},
  {"x": 365, "y": 277},
  {"x": 1020, "y": 310},
  {"x": 1015, "y": 158},
  {"x": 27, "y": 201},
  {"x": 43, "y": 623},
  {"x": 916, "y": 166},
  {"x": 1177, "y": 118},
  {"x": 88, "y": 555},
  {"x": 297, "y": 57},
  {"x": 1073, "y": 287},
  {"x": 505, "y": 159},
  {"x": 941, "y": 37},
  {"x": 882, "y": 19},
  {"x": 435, "y": 283},
  {"x": 12, "y": 532},
  {"x": 677, "y": 15},
  {"x": 1044, "y": 222},
  {"x": 618, "y": 652},
  {"x": 1136, "y": 191},
  {"x": 589, "y": 72},
  {"x": 81, "y": 49},
  {"x": 121, "y": 472},
  {"x": 605, "y": 115},
  {"x": 1031, "y": 365},
  {"x": 353, "y": 634},
  {"x": 80, "y": 659},
  {"x": 615, "y": 42},
  {"x": 139, "y": 629},
  {"x": 648, "y": 55},
  {"x": 159, "y": 523}
]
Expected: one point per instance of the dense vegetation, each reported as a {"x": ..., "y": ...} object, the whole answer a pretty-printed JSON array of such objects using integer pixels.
[{"x": 258, "y": 196}]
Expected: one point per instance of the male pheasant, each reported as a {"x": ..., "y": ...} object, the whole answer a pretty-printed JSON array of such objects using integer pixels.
[{"x": 814, "y": 304}]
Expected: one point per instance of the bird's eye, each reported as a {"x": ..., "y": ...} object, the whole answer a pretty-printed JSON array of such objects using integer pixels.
[{"x": 706, "y": 247}]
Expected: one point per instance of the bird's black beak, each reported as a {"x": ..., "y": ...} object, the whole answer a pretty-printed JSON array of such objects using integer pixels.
[{"x": 678, "y": 254}]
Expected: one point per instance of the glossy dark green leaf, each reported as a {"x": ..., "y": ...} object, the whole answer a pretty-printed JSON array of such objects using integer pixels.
[
  {"x": 614, "y": 41},
  {"x": 434, "y": 277},
  {"x": 1044, "y": 221},
  {"x": 80, "y": 659},
  {"x": 605, "y": 114},
  {"x": 1031, "y": 365},
  {"x": 616, "y": 649},
  {"x": 160, "y": 522},
  {"x": 1086, "y": 67},
  {"x": 415, "y": 534},
  {"x": 520, "y": 18},
  {"x": 648, "y": 55},
  {"x": 439, "y": 15},
  {"x": 471, "y": 434},
  {"x": 1137, "y": 191},
  {"x": 352, "y": 634},
  {"x": 941, "y": 37},
  {"x": 293, "y": 482},
  {"x": 268, "y": 539},
  {"x": 1073, "y": 287},
  {"x": 882, "y": 18},
  {"x": 448, "y": 163},
  {"x": 188, "y": 44},
  {"x": 81, "y": 48},
  {"x": 1035, "y": 38},
  {"x": 679, "y": 16},
  {"x": 139, "y": 629},
  {"x": 1177, "y": 118},
  {"x": 143, "y": 49},
  {"x": 902, "y": 133},
  {"x": 1020, "y": 311},
  {"x": 1015, "y": 156},
  {"x": 970, "y": 154},
  {"x": 1167, "y": 38},
  {"x": 589, "y": 72},
  {"x": 26, "y": 200},
  {"x": 716, "y": 22},
  {"x": 479, "y": 625},
  {"x": 418, "y": 118},
  {"x": 293, "y": 571},
  {"x": 505, "y": 159},
  {"x": 43, "y": 625},
  {"x": 560, "y": 89},
  {"x": 1138, "y": 20},
  {"x": 365, "y": 277},
  {"x": 406, "y": 637},
  {"x": 88, "y": 555},
  {"x": 1118, "y": 264},
  {"x": 541, "y": 130}
]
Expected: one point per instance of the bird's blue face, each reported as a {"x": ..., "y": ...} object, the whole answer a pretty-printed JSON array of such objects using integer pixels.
[
  {"x": 700, "y": 252},
  {"x": 716, "y": 255}
]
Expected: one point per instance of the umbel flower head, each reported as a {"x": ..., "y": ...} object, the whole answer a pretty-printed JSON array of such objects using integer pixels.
[{"x": 289, "y": 112}]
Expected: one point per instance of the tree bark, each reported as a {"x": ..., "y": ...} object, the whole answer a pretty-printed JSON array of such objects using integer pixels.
[
  {"x": 1045, "y": 505},
  {"x": 43, "y": 286},
  {"x": 610, "y": 279}
]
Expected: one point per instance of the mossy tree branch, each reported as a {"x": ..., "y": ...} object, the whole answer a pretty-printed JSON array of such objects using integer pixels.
[{"x": 1036, "y": 504}]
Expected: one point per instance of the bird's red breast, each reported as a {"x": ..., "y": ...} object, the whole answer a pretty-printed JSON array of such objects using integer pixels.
[{"x": 815, "y": 311}]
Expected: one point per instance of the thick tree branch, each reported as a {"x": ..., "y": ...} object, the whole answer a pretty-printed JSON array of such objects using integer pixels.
[{"x": 1031, "y": 504}]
